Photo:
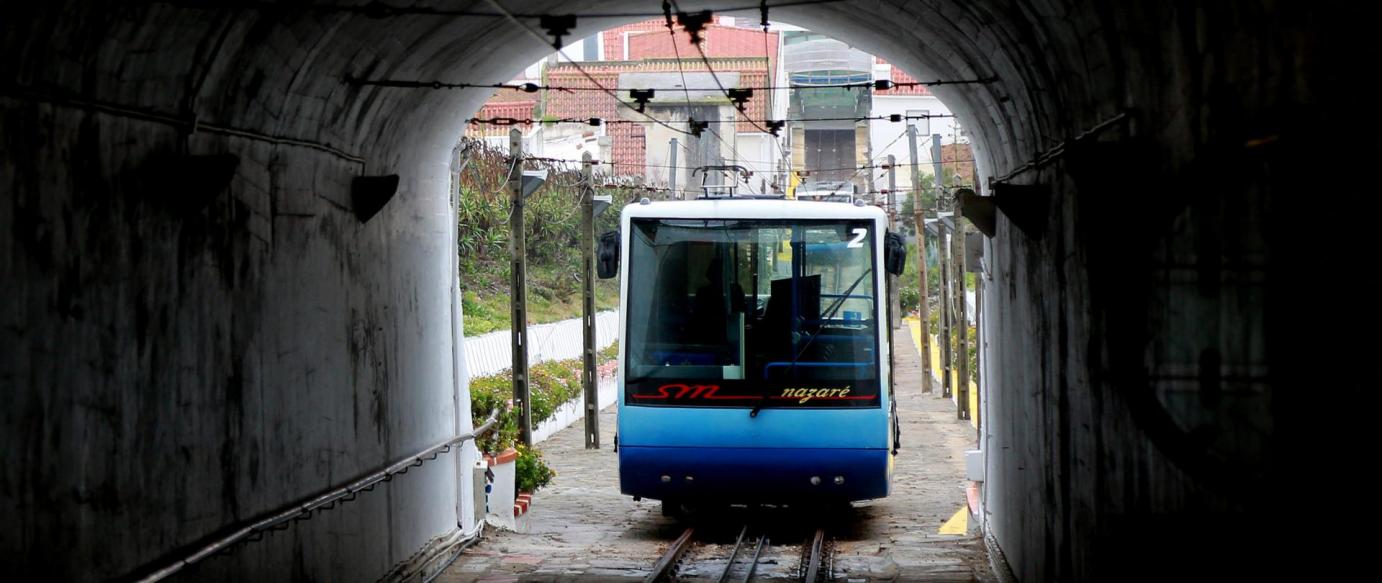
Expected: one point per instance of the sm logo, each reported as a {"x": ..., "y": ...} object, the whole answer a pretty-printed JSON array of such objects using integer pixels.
[{"x": 674, "y": 391}]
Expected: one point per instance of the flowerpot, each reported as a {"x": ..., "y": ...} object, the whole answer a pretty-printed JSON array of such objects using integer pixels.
[{"x": 502, "y": 490}]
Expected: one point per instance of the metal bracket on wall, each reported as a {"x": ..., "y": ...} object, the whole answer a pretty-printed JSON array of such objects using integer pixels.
[
  {"x": 188, "y": 182},
  {"x": 978, "y": 209},
  {"x": 370, "y": 193},
  {"x": 1026, "y": 205}
]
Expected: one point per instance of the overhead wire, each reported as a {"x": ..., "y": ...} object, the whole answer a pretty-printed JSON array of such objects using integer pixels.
[
  {"x": 596, "y": 121},
  {"x": 379, "y": 10},
  {"x": 557, "y": 47},
  {"x": 529, "y": 87},
  {"x": 770, "y": 96},
  {"x": 667, "y": 13},
  {"x": 669, "y": 166},
  {"x": 741, "y": 106}
]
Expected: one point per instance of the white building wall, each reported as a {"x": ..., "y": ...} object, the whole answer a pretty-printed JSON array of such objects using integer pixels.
[
  {"x": 760, "y": 156},
  {"x": 885, "y": 139}
]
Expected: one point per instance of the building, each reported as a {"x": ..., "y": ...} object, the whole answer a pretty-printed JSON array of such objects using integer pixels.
[
  {"x": 644, "y": 55},
  {"x": 831, "y": 139},
  {"x": 891, "y": 137},
  {"x": 832, "y": 143}
]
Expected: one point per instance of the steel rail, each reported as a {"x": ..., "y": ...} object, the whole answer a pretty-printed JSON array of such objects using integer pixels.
[
  {"x": 813, "y": 567},
  {"x": 664, "y": 566}
]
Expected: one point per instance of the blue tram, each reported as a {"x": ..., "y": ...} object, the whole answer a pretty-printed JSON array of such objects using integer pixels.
[{"x": 753, "y": 364}]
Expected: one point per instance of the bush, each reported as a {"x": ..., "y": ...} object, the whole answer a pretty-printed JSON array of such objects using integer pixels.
[
  {"x": 608, "y": 353},
  {"x": 530, "y": 471},
  {"x": 482, "y": 316},
  {"x": 551, "y": 385},
  {"x": 487, "y": 394},
  {"x": 910, "y": 297}
]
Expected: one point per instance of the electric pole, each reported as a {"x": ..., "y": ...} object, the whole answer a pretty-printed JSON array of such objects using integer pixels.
[
  {"x": 588, "y": 379},
  {"x": 672, "y": 169},
  {"x": 957, "y": 247},
  {"x": 518, "y": 289},
  {"x": 894, "y": 294},
  {"x": 942, "y": 239},
  {"x": 923, "y": 308}
]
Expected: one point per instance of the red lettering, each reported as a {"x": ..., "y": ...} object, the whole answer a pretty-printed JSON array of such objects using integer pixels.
[
  {"x": 689, "y": 392},
  {"x": 661, "y": 392},
  {"x": 704, "y": 391}
]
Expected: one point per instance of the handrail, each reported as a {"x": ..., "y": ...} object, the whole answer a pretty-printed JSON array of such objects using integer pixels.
[{"x": 302, "y": 510}]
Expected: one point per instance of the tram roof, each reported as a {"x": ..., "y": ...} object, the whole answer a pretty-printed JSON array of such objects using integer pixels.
[{"x": 741, "y": 208}]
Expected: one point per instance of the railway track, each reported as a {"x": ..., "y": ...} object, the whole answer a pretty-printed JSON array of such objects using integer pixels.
[
  {"x": 815, "y": 563},
  {"x": 747, "y": 551}
]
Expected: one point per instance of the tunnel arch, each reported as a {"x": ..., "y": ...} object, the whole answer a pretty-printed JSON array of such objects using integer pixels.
[{"x": 188, "y": 330}]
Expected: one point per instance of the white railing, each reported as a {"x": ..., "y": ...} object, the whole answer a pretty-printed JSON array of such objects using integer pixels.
[{"x": 490, "y": 353}]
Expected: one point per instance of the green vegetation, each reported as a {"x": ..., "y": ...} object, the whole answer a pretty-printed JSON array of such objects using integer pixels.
[
  {"x": 907, "y": 282},
  {"x": 552, "y": 230},
  {"x": 551, "y": 384},
  {"x": 490, "y": 312},
  {"x": 530, "y": 471},
  {"x": 553, "y": 240},
  {"x": 909, "y": 294},
  {"x": 906, "y": 224}
]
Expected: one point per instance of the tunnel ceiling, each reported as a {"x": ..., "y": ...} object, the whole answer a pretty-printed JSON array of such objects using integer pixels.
[{"x": 282, "y": 71}]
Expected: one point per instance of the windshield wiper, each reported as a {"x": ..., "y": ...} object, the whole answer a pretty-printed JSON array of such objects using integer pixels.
[
  {"x": 759, "y": 407},
  {"x": 830, "y": 313}
]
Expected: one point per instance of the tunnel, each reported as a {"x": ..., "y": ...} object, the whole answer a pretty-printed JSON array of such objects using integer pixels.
[{"x": 218, "y": 303}]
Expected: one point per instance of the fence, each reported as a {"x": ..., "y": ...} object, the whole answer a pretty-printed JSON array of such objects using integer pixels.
[{"x": 490, "y": 353}]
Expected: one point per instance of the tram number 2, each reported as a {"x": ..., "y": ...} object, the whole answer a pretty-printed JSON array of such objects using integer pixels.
[{"x": 858, "y": 240}]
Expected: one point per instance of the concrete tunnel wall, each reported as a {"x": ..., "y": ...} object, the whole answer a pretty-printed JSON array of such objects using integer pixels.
[{"x": 178, "y": 359}]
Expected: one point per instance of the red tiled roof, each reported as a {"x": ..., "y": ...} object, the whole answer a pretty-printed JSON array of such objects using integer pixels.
[
  {"x": 900, "y": 76},
  {"x": 728, "y": 48},
  {"x": 649, "y": 40},
  {"x": 584, "y": 104},
  {"x": 492, "y": 109}
]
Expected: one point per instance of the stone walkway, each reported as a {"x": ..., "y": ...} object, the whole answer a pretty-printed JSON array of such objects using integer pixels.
[{"x": 580, "y": 528}]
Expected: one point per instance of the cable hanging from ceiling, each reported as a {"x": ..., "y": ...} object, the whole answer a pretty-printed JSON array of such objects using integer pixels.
[
  {"x": 556, "y": 45},
  {"x": 775, "y": 124},
  {"x": 528, "y": 87},
  {"x": 381, "y": 10},
  {"x": 595, "y": 162}
]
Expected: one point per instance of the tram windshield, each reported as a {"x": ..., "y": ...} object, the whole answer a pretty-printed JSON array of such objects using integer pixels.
[{"x": 748, "y": 312}]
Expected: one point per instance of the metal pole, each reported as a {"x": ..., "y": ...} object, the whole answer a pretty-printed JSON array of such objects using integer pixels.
[
  {"x": 592, "y": 395},
  {"x": 979, "y": 347},
  {"x": 892, "y": 189},
  {"x": 962, "y": 331},
  {"x": 944, "y": 254},
  {"x": 518, "y": 290},
  {"x": 672, "y": 168},
  {"x": 945, "y": 336},
  {"x": 923, "y": 308},
  {"x": 894, "y": 294}
]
